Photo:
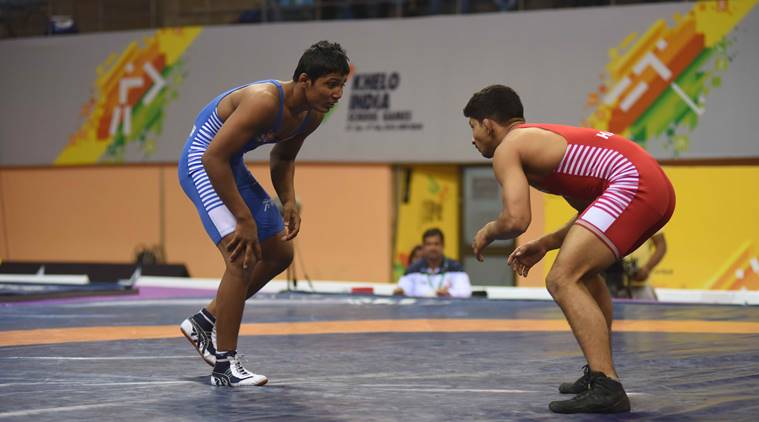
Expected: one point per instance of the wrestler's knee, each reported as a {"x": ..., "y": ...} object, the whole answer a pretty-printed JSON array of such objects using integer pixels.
[{"x": 558, "y": 279}]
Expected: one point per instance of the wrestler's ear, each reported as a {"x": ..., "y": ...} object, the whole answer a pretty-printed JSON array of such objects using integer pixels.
[
  {"x": 488, "y": 124},
  {"x": 303, "y": 78}
]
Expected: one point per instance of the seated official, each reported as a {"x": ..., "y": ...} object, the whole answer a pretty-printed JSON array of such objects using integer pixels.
[{"x": 434, "y": 274}]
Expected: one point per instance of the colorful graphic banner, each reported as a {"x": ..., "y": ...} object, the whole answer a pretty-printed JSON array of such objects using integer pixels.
[
  {"x": 682, "y": 73},
  {"x": 657, "y": 84},
  {"x": 129, "y": 99},
  {"x": 429, "y": 198}
]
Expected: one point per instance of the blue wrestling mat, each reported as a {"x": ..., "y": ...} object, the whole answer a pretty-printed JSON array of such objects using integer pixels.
[{"x": 348, "y": 358}]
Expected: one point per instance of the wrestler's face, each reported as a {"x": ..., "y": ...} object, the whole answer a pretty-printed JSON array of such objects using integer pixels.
[
  {"x": 323, "y": 93},
  {"x": 482, "y": 137}
]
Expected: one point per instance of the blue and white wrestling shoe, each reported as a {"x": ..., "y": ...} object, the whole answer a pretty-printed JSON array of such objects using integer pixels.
[
  {"x": 229, "y": 372},
  {"x": 200, "y": 331}
]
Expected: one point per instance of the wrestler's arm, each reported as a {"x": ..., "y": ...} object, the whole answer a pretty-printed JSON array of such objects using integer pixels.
[
  {"x": 282, "y": 168},
  {"x": 515, "y": 214},
  {"x": 515, "y": 195}
]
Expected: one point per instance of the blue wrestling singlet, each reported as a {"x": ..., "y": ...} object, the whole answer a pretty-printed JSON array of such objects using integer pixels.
[{"x": 217, "y": 219}]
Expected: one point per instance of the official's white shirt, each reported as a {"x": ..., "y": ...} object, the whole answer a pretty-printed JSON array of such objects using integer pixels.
[{"x": 422, "y": 281}]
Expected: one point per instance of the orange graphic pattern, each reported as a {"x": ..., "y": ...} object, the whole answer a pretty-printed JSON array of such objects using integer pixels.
[{"x": 129, "y": 97}]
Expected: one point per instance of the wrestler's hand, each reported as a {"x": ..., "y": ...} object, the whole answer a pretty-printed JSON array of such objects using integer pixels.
[
  {"x": 244, "y": 241},
  {"x": 292, "y": 220},
  {"x": 480, "y": 242},
  {"x": 525, "y": 256},
  {"x": 641, "y": 274}
]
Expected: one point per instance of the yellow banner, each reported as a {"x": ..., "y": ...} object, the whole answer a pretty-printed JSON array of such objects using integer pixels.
[
  {"x": 713, "y": 236},
  {"x": 429, "y": 197}
]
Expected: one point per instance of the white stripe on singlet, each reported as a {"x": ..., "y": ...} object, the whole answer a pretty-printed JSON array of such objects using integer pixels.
[
  {"x": 609, "y": 165},
  {"x": 201, "y": 139}
]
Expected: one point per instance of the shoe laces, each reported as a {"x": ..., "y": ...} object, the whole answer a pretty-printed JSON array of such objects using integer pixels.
[
  {"x": 586, "y": 370},
  {"x": 593, "y": 381},
  {"x": 590, "y": 391},
  {"x": 585, "y": 375},
  {"x": 237, "y": 361}
]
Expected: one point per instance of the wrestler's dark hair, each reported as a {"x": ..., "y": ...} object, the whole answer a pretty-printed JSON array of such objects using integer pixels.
[
  {"x": 433, "y": 232},
  {"x": 322, "y": 59},
  {"x": 495, "y": 102}
]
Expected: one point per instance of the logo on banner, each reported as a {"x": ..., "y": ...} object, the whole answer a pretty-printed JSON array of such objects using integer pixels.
[
  {"x": 127, "y": 106},
  {"x": 656, "y": 84},
  {"x": 371, "y": 104}
]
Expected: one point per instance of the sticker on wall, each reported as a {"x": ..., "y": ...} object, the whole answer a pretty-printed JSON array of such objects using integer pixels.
[
  {"x": 130, "y": 94},
  {"x": 740, "y": 272},
  {"x": 656, "y": 86}
]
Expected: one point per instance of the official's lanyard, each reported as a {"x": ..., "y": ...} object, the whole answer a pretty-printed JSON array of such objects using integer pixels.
[{"x": 440, "y": 283}]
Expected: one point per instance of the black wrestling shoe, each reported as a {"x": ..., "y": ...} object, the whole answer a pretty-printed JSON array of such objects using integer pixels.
[
  {"x": 578, "y": 386},
  {"x": 603, "y": 396}
]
